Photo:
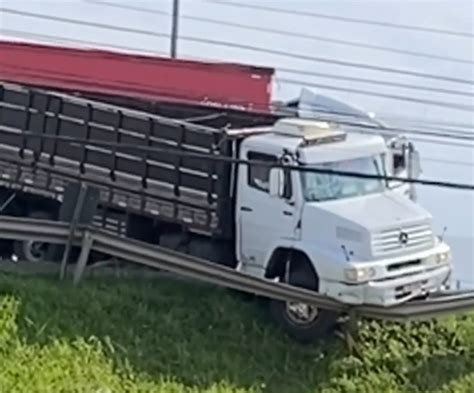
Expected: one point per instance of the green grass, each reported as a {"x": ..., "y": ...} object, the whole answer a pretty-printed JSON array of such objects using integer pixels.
[{"x": 164, "y": 336}]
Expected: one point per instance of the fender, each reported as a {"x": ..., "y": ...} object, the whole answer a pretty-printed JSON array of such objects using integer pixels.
[{"x": 327, "y": 264}]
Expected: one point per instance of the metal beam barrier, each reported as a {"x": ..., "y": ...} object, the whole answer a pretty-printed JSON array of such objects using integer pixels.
[{"x": 157, "y": 257}]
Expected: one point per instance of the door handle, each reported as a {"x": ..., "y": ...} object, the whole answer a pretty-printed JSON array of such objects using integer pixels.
[
  {"x": 287, "y": 213},
  {"x": 245, "y": 209}
]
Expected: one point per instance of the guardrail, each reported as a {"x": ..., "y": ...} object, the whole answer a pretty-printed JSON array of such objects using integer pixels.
[{"x": 88, "y": 238}]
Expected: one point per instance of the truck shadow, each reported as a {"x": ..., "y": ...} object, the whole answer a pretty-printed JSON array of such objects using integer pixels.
[{"x": 195, "y": 334}]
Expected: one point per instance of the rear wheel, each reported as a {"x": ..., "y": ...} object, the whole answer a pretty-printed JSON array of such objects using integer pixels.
[
  {"x": 303, "y": 322},
  {"x": 30, "y": 250}
]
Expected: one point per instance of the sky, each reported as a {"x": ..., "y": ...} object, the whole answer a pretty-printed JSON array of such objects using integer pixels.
[{"x": 451, "y": 208}]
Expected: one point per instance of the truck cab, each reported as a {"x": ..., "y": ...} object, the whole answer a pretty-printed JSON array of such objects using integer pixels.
[{"x": 362, "y": 240}]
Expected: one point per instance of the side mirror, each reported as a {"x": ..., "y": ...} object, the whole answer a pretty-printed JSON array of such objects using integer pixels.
[
  {"x": 415, "y": 164},
  {"x": 276, "y": 182},
  {"x": 398, "y": 163},
  {"x": 395, "y": 166}
]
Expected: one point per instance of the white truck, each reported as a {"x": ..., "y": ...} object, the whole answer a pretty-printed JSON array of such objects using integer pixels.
[
  {"x": 359, "y": 240},
  {"x": 354, "y": 239}
]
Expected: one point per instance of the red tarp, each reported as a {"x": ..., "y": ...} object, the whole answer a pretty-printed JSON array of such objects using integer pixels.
[{"x": 136, "y": 76}]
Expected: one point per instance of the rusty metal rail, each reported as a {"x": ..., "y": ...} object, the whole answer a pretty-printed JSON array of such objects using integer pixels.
[{"x": 157, "y": 257}]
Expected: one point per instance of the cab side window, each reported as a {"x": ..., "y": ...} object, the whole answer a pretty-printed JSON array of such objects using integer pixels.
[{"x": 258, "y": 175}]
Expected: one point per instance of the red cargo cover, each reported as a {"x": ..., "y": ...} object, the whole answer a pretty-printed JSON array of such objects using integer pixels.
[{"x": 136, "y": 76}]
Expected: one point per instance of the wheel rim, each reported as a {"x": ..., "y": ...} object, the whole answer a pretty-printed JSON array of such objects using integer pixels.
[
  {"x": 301, "y": 313},
  {"x": 34, "y": 251}
]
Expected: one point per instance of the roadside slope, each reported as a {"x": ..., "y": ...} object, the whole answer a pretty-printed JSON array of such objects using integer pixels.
[{"x": 157, "y": 335}]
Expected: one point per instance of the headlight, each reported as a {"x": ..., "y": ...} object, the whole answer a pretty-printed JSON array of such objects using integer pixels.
[
  {"x": 359, "y": 274},
  {"x": 443, "y": 257}
]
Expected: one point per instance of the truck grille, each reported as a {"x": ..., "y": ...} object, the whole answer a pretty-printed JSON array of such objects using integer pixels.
[{"x": 412, "y": 238}]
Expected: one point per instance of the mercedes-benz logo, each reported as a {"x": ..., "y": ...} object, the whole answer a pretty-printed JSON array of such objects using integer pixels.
[{"x": 403, "y": 238}]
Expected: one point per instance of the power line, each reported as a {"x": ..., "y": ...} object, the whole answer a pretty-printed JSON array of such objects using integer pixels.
[
  {"x": 444, "y": 143},
  {"x": 449, "y": 162},
  {"x": 252, "y": 48},
  {"x": 279, "y": 69},
  {"x": 292, "y": 33},
  {"x": 412, "y": 131},
  {"x": 444, "y": 104},
  {"x": 278, "y": 111},
  {"x": 446, "y": 130},
  {"x": 130, "y": 7},
  {"x": 349, "y": 118},
  {"x": 353, "y": 79},
  {"x": 370, "y": 128},
  {"x": 397, "y": 130},
  {"x": 342, "y": 63},
  {"x": 10, "y": 33},
  {"x": 345, "y": 19},
  {"x": 417, "y": 120},
  {"x": 285, "y": 33},
  {"x": 377, "y": 82},
  {"x": 83, "y": 23},
  {"x": 230, "y": 160}
]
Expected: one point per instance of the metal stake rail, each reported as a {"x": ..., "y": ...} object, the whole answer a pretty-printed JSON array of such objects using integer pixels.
[{"x": 134, "y": 251}]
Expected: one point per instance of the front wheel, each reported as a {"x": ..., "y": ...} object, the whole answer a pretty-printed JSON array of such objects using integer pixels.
[{"x": 304, "y": 322}]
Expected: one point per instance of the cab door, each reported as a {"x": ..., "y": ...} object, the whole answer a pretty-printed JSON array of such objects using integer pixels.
[{"x": 263, "y": 222}]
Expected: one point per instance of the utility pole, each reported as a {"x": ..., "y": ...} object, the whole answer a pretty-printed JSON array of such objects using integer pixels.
[{"x": 174, "y": 28}]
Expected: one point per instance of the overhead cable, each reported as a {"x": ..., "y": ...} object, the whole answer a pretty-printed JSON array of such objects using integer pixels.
[
  {"x": 18, "y": 34},
  {"x": 285, "y": 33},
  {"x": 444, "y": 104},
  {"x": 306, "y": 13},
  {"x": 377, "y": 82},
  {"x": 252, "y": 48},
  {"x": 343, "y": 118},
  {"x": 230, "y": 160}
]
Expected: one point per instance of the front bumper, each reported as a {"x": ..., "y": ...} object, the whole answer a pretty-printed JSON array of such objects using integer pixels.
[{"x": 391, "y": 291}]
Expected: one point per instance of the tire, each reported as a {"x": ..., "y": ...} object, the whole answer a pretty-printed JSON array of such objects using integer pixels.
[
  {"x": 320, "y": 322},
  {"x": 31, "y": 251}
]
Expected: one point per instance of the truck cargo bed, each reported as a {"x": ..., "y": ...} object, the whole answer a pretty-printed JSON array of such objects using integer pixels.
[{"x": 191, "y": 191}]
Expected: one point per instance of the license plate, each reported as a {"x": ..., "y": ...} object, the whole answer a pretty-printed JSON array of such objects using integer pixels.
[{"x": 415, "y": 287}]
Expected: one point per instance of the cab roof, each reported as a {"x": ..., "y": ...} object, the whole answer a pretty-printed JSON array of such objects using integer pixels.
[{"x": 355, "y": 145}]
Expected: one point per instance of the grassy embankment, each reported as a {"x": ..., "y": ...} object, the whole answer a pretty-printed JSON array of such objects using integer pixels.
[{"x": 169, "y": 337}]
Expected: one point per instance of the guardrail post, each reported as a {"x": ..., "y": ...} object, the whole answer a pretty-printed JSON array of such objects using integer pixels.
[
  {"x": 83, "y": 257},
  {"x": 74, "y": 221},
  {"x": 78, "y": 208},
  {"x": 350, "y": 330}
]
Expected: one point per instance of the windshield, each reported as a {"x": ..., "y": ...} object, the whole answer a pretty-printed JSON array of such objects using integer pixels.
[{"x": 324, "y": 187}]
